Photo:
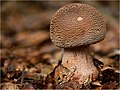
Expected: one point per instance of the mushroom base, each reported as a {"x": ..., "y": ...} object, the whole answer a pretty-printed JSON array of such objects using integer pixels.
[{"x": 79, "y": 61}]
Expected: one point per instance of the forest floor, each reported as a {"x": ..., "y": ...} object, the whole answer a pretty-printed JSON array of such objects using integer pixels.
[{"x": 28, "y": 57}]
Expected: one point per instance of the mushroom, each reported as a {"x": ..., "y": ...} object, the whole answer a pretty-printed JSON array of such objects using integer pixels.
[{"x": 75, "y": 27}]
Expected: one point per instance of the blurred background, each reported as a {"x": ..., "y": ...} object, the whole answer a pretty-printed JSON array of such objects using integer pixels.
[{"x": 25, "y": 41}]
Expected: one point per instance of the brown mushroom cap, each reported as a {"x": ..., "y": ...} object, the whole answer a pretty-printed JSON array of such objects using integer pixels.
[{"x": 76, "y": 25}]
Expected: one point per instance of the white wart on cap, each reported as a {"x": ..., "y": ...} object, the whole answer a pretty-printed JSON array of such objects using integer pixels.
[{"x": 77, "y": 25}]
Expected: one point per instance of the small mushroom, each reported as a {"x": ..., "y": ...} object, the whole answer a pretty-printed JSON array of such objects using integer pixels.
[{"x": 74, "y": 27}]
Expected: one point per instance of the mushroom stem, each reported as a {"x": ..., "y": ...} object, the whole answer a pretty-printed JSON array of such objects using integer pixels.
[{"x": 80, "y": 61}]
